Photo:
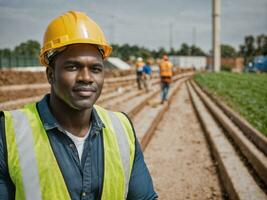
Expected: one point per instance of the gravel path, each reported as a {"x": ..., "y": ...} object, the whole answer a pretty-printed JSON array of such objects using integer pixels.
[{"x": 178, "y": 156}]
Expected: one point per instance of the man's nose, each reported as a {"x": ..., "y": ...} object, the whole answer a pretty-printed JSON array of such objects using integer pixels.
[{"x": 85, "y": 75}]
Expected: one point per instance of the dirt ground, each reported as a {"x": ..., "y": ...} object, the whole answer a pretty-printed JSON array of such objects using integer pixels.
[
  {"x": 17, "y": 77},
  {"x": 178, "y": 156},
  {"x": 13, "y": 77}
]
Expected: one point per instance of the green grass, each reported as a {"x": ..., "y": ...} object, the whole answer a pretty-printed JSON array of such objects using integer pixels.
[{"x": 245, "y": 93}]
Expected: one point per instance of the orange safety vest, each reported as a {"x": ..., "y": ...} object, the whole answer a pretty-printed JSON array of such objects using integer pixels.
[{"x": 165, "y": 69}]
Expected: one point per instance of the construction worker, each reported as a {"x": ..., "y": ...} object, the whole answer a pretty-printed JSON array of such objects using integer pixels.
[
  {"x": 165, "y": 68},
  {"x": 65, "y": 147},
  {"x": 139, "y": 72},
  {"x": 147, "y": 74}
]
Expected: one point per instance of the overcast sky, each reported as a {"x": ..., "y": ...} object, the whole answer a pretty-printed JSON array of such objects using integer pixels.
[{"x": 142, "y": 22}]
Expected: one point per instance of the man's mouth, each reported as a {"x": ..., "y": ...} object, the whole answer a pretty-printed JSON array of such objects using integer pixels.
[{"x": 84, "y": 91}]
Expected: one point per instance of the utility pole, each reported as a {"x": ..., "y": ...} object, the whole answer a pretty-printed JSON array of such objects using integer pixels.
[
  {"x": 216, "y": 44},
  {"x": 171, "y": 39}
]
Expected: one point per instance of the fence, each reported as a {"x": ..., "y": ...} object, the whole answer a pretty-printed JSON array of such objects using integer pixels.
[{"x": 18, "y": 61}]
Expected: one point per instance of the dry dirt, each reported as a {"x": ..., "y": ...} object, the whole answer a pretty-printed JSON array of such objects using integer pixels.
[
  {"x": 18, "y": 77},
  {"x": 14, "y": 77},
  {"x": 178, "y": 156}
]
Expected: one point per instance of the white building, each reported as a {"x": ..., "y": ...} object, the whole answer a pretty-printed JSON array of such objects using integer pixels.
[
  {"x": 114, "y": 62},
  {"x": 197, "y": 62}
]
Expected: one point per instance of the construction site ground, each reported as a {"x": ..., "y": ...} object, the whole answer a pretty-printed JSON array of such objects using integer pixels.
[{"x": 178, "y": 155}]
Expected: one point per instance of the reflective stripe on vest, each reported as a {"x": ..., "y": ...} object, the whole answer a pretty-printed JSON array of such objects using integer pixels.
[
  {"x": 33, "y": 167},
  {"x": 122, "y": 143}
]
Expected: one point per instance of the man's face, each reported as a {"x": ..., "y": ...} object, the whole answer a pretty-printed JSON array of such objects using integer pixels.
[{"x": 78, "y": 76}]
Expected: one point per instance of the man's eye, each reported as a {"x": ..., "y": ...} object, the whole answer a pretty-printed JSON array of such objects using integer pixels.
[
  {"x": 71, "y": 67},
  {"x": 96, "y": 69}
]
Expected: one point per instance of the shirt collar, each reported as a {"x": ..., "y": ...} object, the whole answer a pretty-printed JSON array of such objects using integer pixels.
[{"x": 50, "y": 122}]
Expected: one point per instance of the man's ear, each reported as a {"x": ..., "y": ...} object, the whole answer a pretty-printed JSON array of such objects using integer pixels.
[{"x": 50, "y": 75}]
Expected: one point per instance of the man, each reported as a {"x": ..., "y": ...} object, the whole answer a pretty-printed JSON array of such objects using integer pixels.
[
  {"x": 165, "y": 68},
  {"x": 65, "y": 147},
  {"x": 147, "y": 74},
  {"x": 139, "y": 72}
]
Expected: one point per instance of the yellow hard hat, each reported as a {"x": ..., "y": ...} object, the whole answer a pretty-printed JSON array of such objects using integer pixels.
[{"x": 71, "y": 28}]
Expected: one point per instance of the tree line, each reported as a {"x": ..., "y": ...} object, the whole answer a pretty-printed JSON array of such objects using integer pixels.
[
  {"x": 25, "y": 54},
  {"x": 126, "y": 51},
  {"x": 30, "y": 48},
  {"x": 252, "y": 46}
]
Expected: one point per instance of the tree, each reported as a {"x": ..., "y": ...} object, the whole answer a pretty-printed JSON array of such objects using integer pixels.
[
  {"x": 228, "y": 51},
  {"x": 264, "y": 47},
  {"x": 115, "y": 50},
  {"x": 172, "y": 51},
  {"x": 5, "y": 52},
  {"x": 253, "y": 47},
  {"x": 248, "y": 49},
  {"x": 196, "y": 51},
  {"x": 161, "y": 52},
  {"x": 144, "y": 53},
  {"x": 249, "y": 44},
  {"x": 241, "y": 50},
  {"x": 125, "y": 51},
  {"x": 29, "y": 48},
  {"x": 184, "y": 50},
  {"x": 261, "y": 41}
]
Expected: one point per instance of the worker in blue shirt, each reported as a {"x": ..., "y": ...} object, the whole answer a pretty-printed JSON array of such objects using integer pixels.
[
  {"x": 65, "y": 147},
  {"x": 147, "y": 74}
]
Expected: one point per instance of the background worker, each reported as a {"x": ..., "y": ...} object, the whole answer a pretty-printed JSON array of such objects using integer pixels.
[
  {"x": 139, "y": 72},
  {"x": 147, "y": 74},
  {"x": 64, "y": 147},
  {"x": 165, "y": 68}
]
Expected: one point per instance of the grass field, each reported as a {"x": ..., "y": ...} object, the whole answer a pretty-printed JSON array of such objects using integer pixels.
[{"x": 245, "y": 93}]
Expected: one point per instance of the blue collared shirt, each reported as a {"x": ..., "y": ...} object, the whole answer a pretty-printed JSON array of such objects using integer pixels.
[
  {"x": 84, "y": 179},
  {"x": 147, "y": 69}
]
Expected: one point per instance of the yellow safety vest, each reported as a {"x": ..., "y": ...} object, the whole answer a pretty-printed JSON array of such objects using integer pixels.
[{"x": 33, "y": 167}]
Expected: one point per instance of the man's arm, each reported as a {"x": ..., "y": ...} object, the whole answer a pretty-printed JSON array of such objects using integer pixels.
[
  {"x": 140, "y": 185},
  {"x": 7, "y": 189}
]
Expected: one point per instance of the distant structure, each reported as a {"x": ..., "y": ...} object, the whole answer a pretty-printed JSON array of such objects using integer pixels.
[
  {"x": 116, "y": 63},
  {"x": 229, "y": 64},
  {"x": 216, "y": 28},
  {"x": 196, "y": 62}
]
